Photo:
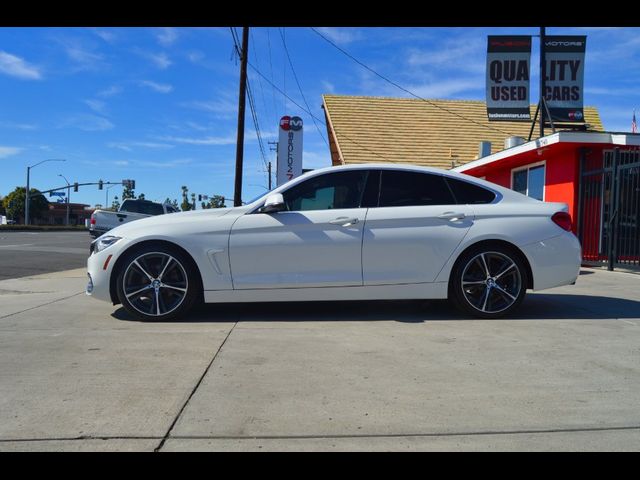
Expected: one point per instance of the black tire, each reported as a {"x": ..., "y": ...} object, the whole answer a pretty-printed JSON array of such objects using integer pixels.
[
  {"x": 489, "y": 281},
  {"x": 157, "y": 283}
]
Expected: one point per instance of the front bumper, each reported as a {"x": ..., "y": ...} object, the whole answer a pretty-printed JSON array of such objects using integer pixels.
[{"x": 99, "y": 269}]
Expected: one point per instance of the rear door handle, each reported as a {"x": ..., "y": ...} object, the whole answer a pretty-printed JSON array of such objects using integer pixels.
[
  {"x": 452, "y": 216},
  {"x": 344, "y": 221}
]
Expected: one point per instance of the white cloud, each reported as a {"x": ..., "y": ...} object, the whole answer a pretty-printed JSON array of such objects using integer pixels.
[
  {"x": 167, "y": 36},
  {"x": 157, "y": 87},
  {"x": 84, "y": 58},
  {"x": 97, "y": 106},
  {"x": 339, "y": 35},
  {"x": 159, "y": 60},
  {"x": 17, "y": 67},
  {"x": 87, "y": 122},
  {"x": 8, "y": 151},
  {"x": 107, "y": 35},
  {"x": 228, "y": 140},
  {"x": 225, "y": 107},
  {"x": 19, "y": 126},
  {"x": 110, "y": 92},
  {"x": 129, "y": 146}
]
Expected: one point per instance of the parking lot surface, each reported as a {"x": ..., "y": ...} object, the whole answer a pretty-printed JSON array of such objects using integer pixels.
[
  {"x": 562, "y": 374},
  {"x": 31, "y": 253}
]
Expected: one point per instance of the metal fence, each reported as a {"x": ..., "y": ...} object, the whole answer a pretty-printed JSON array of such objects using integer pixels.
[{"x": 609, "y": 209}]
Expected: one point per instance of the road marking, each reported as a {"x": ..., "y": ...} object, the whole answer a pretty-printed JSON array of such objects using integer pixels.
[{"x": 23, "y": 245}]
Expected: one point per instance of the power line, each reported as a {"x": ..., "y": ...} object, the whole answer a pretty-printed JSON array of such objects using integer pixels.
[
  {"x": 252, "y": 105},
  {"x": 284, "y": 43},
  {"x": 273, "y": 94},
  {"x": 402, "y": 88},
  {"x": 320, "y": 120}
]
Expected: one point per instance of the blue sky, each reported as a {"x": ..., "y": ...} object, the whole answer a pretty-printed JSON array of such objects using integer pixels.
[{"x": 159, "y": 105}]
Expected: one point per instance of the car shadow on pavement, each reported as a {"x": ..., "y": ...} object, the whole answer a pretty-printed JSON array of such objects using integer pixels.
[{"x": 536, "y": 306}]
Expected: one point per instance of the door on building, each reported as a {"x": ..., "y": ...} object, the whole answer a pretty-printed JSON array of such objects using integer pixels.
[{"x": 609, "y": 215}]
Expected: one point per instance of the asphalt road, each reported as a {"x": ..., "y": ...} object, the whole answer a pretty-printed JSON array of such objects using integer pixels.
[{"x": 31, "y": 253}]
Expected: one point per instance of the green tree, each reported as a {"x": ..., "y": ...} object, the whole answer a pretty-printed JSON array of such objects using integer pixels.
[
  {"x": 217, "y": 201},
  {"x": 14, "y": 204},
  {"x": 127, "y": 192},
  {"x": 2, "y": 209},
  {"x": 115, "y": 204},
  {"x": 185, "y": 206},
  {"x": 141, "y": 197},
  {"x": 173, "y": 203}
]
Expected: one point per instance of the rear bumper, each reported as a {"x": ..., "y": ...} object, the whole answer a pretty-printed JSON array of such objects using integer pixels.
[{"x": 555, "y": 261}]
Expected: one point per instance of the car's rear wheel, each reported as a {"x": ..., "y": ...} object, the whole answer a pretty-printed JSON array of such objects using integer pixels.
[
  {"x": 157, "y": 283},
  {"x": 488, "y": 282}
]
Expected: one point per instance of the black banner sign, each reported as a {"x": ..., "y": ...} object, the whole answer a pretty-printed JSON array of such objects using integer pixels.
[
  {"x": 564, "y": 77},
  {"x": 508, "y": 59}
]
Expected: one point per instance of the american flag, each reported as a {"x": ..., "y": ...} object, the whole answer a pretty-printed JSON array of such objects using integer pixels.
[{"x": 634, "y": 125}]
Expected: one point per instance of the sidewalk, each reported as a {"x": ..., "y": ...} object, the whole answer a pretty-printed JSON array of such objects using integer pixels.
[{"x": 78, "y": 374}]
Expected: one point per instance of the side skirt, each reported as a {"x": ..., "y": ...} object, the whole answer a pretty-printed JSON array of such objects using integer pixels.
[{"x": 370, "y": 292}]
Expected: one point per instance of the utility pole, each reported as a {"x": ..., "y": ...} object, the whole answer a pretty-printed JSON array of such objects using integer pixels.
[
  {"x": 542, "y": 105},
  {"x": 26, "y": 196},
  {"x": 68, "y": 196},
  {"x": 244, "y": 54}
]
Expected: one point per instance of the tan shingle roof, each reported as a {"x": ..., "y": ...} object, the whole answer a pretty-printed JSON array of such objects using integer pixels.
[{"x": 406, "y": 130}]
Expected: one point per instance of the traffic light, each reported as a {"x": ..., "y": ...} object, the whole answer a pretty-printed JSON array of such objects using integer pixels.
[
  {"x": 100, "y": 185},
  {"x": 199, "y": 198},
  {"x": 75, "y": 187},
  {"x": 133, "y": 184}
]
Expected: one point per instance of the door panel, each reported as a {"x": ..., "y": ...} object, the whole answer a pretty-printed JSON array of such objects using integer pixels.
[
  {"x": 411, "y": 244},
  {"x": 316, "y": 248}
]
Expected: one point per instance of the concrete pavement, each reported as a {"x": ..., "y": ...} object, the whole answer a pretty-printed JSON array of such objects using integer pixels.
[{"x": 77, "y": 374}]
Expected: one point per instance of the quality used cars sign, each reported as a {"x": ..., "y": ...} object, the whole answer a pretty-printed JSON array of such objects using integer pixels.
[{"x": 508, "y": 59}]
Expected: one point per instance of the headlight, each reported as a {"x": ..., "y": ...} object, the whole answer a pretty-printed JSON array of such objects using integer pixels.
[{"x": 105, "y": 241}]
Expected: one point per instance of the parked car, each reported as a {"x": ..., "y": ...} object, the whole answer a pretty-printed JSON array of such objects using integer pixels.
[
  {"x": 358, "y": 232},
  {"x": 104, "y": 220}
]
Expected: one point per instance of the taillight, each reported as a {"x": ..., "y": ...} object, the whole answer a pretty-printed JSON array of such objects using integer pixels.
[
  {"x": 93, "y": 219},
  {"x": 563, "y": 220}
]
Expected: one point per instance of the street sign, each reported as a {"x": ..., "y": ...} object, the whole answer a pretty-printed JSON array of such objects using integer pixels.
[
  {"x": 61, "y": 200},
  {"x": 56, "y": 194}
]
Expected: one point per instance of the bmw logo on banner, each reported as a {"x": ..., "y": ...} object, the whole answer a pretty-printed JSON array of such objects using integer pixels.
[{"x": 289, "y": 149}]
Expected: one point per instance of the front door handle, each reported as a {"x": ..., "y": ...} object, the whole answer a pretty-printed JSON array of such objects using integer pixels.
[
  {"x": 451, "y": 216},
  {"x": 344, "y": 221}
]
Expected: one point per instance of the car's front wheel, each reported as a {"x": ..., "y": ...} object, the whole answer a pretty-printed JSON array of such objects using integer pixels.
[
  {"x": 157, "y": 283},
  {"x": 488, "y": 282}
]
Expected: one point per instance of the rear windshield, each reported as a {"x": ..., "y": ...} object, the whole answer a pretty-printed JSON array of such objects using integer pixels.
[{"x": 147, "y": 208}]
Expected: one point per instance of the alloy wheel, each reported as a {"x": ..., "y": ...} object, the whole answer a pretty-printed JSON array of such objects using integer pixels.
[
  {"x": 155, "y": 284},
  {"x": 491, "y": 282}
]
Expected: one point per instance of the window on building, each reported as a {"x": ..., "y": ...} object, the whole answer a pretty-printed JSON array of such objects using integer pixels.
[{"x": 529, "y": 181}]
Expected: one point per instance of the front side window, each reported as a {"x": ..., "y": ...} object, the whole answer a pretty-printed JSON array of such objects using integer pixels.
[
  {"x": 529, "y": 181},
  {"x": 327, "y": 192},
  {"x": 403, "y": 189}
]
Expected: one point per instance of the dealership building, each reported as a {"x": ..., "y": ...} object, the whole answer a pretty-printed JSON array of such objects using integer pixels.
[{"x": 596, "y": 173}]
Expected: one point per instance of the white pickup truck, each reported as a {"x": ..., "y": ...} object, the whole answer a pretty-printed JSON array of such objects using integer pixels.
[{"x": 130, "y": 210}]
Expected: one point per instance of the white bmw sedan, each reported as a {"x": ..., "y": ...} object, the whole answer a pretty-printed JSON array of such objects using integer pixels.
[{"x": 361, "y": 232}]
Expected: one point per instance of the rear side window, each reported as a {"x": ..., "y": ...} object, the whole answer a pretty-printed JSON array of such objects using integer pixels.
[
  {"x": 468, "y": 193},
  {"x": 403, "y": 189}
]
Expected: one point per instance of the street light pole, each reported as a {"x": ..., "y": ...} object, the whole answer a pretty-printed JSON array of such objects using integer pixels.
[
  {"x": 26, "y": 196},
  {"x": 68, "y": 196}
]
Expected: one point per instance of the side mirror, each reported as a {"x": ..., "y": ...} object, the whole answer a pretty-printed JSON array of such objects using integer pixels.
[{"x": 273, "y": 203}]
